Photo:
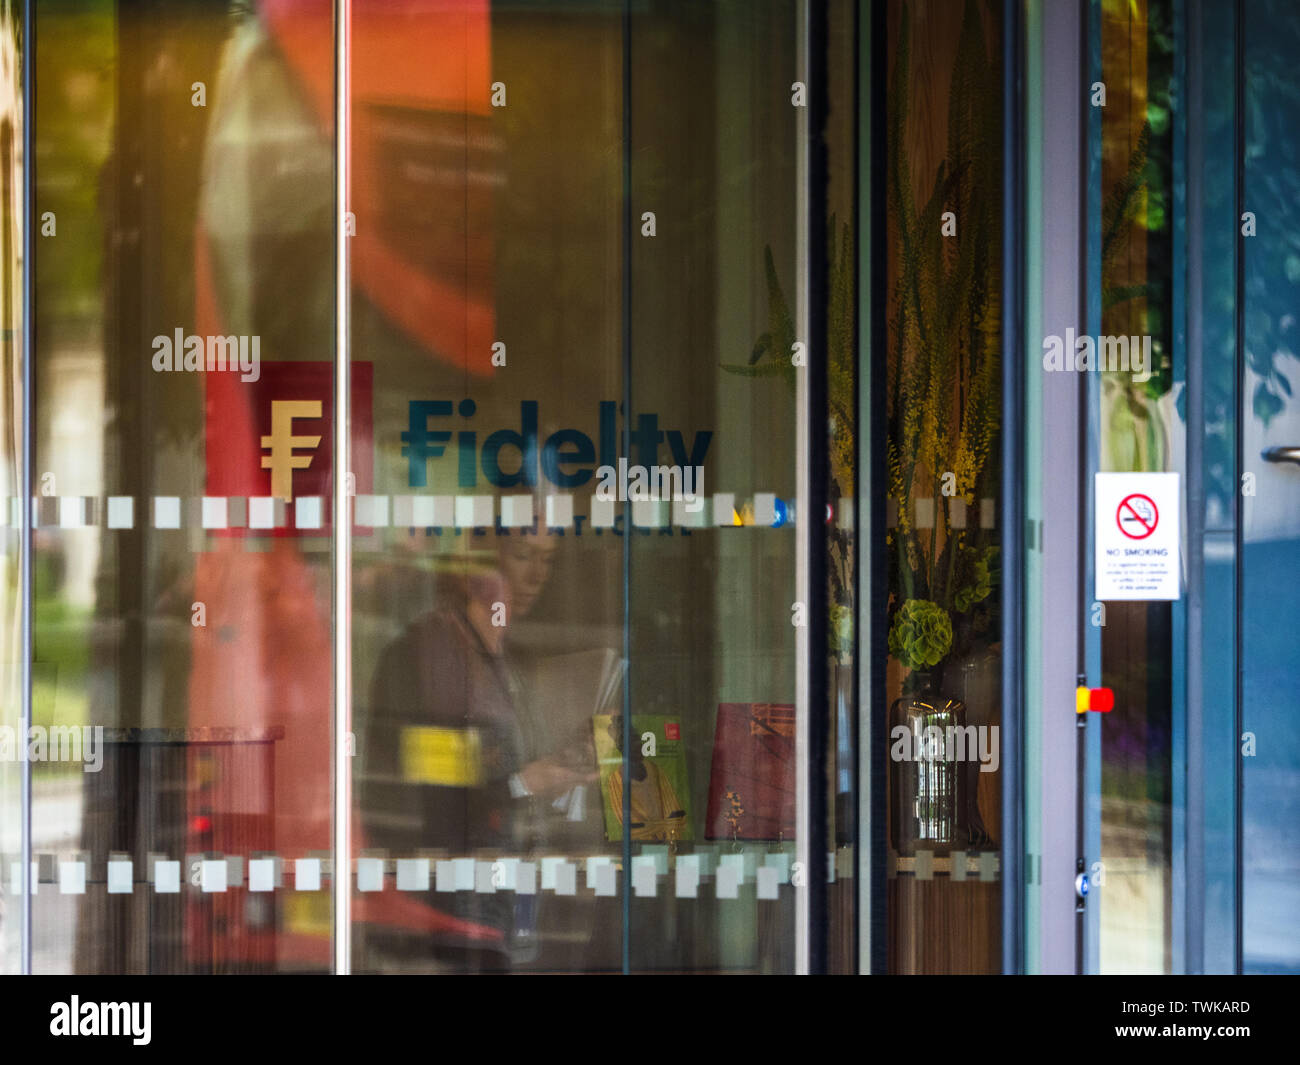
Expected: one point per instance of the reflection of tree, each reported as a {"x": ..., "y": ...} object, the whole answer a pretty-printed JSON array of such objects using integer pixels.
[
  {"x": 1135, "y": 430},
  {"x": 772, "y": 357},
  {"x": 78, "y": 68},
  {"x": 1143, "y": 198},
  {"x": 1273, "y": 193},
  {"x": 1136, "y": 243}
]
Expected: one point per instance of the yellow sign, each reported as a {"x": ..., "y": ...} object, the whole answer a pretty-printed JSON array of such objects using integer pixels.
[
  {"x": 446, "y": 756},
  {"x": 308, "y": 913}
]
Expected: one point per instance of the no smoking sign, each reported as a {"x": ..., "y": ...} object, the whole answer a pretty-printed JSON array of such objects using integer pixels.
[
  {"x": 1137, "y": 516},
  {"x": 1137, "y": 538}
]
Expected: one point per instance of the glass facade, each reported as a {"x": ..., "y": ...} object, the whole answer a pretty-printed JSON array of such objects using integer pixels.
[
  {"x": 587, "y": 486},
  {"x": 568, "y": 330}
]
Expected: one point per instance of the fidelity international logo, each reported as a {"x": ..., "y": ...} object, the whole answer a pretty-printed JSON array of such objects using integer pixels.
[
  {"x": 270, "y": 441},
  {"x": 274, "y": 437}
]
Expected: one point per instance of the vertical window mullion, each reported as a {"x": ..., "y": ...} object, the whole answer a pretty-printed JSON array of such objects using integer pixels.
[
  {"x": 342, "y": 539},
  {"x": 27, "y": 458}
]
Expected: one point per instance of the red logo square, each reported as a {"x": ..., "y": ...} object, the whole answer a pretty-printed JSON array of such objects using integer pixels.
[{"x": 274, "y": 436}]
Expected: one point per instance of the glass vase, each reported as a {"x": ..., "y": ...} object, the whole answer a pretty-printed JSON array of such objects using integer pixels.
[{"x": 929, "y": 785}]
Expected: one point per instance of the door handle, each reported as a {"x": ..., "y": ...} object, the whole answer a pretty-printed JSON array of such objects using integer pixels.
[{"x": 1282, "y": 454}]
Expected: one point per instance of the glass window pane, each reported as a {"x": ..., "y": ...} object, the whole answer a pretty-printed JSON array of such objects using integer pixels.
[
  {"x": 577, "y": 286},
  {"x": 184, "y": 309},
  {"x": 488, "y": 598},
  {"x": 944, "y": 410},
  {"x": 12, "y": 455}
]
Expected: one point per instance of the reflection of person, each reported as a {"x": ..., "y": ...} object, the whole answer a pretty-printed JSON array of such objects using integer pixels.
[
  {"x": 657, "y": 813},
  {"x": 525, "y": 566},
  {"x": 448, "y": 759}
]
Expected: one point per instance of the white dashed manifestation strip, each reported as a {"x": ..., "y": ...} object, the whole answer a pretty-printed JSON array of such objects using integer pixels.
[
  {"x": 595, "y": 865},
  {"x": 651, "y": 514},
  {"x": 167, "y": 877},
  {"x": 517, "y": 512},
  {"x": 751, "y": 872},
  {"x": 724, "y": 508},
  {"x": 988, "y": 512},
  {"x": 216, "y": 512},
  {"x": 166, "y": 512},
  {"x": 923, "y": 509},
  {"x": 559, "y": 512},
  {"x": 924, "y": 512},
  {"x": 212, "y": 876},
  {"x": 72, "y": 878},
  {"x": 473, "y": 512},
  {"x": 692, "y": 515},
  {"x": 603, "y": 513},
  {"x": 263, "y": 874},
  {"x": 688, "y": 876},
  {"x": 370, "y": 874},
  {"x": 307, "y": 874},
  {"x": 121, "y": 512},
  {"x": 645, "y": 876},
  {"x": 370, "y": 511},
  {"x": 72, "y": 512},
  {"x": 412, "y": 874},
  {"x": 265, "y": 512},
  {"x": 307, "y": 513},
  {"x": 121, "y": 876}
]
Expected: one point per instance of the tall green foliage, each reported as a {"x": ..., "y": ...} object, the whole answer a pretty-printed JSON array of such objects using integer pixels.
[{"x": 945, "y": 333}]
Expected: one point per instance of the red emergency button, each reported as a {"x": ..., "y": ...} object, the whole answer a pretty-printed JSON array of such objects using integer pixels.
[{"x": 1099, "y": 699}]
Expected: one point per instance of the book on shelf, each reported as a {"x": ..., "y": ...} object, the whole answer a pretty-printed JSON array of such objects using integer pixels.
[{"x": 752, "y": 778}]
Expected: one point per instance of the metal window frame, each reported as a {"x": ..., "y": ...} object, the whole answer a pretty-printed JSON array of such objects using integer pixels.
[
  {"x": 872, "y": 837},
  {"x": 341, "y": 540},
  {"x": 1012, "y": 503},
  {"x": 1063, "y": 501},
  {"x": 27, "y": 460}
]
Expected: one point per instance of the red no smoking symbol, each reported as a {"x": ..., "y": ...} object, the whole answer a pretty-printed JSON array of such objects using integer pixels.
[{"x": 1137, "y": 516}]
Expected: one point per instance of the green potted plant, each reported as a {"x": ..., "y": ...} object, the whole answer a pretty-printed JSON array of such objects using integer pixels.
[{"x": 944, "y": 400}]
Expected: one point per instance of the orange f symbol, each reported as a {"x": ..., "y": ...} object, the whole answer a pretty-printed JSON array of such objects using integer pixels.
[{"x": 281, "y": 443}]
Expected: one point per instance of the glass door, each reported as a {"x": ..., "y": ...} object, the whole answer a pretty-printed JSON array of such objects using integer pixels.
[
  {"x": 582, "y": 617},
  {"x": 182, "y": 343},
  {"x": 1194, "y": 802},
  {"x": 435, "y": 410},
  {"x": 944, "y": 409},
  {"x": 1268, "y": 375}
]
